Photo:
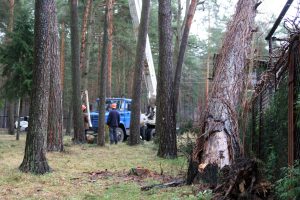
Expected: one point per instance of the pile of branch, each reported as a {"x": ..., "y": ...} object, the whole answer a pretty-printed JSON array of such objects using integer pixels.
[{"x": 242, "y": 181}]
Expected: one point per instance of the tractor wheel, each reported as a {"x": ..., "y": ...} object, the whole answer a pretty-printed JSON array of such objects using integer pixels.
[{"x": 120, "y": 134}]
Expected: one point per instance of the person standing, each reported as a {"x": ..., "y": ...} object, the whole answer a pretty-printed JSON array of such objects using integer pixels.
[
  {"x": 85, "y": 119},
  {"x": 113, "y": 122}
]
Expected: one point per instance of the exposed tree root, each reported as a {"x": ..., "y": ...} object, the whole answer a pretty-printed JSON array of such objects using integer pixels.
[{"x": 242, "y": 181}]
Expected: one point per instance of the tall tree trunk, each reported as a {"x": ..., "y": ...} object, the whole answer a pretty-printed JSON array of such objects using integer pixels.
[
  {"x": 103, "y": 80},
  {"x": 86, "y": 14},
  {"x": 99, "y": 63},
  {"x": 90, "y": 34},
  {"x": 109, "y": 48},
  {"x": 62, "y": 55},
  {"x": 180, "y": 59},
  {"x": 183, "y": 44},
  {"x": 219, "y": 143},
  {"x": 19, "y": 108},
  {"x": 69, "y": 119},
  {"x": 35, "y": 150},
  {"x": 11, "y": 117},
  {"x": 11, "y": 104},
  {"x": 137, "y": 77},
  {"x": 55, "y": 118},
  {"x": 167, "y": 138},
  {"x": 178, "y": 32},
  {"x": 208, "y": 59},
  {"x": 79, "y": 136}
]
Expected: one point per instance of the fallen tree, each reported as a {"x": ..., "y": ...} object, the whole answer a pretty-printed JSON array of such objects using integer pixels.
[{"x": 219, "y": 141}]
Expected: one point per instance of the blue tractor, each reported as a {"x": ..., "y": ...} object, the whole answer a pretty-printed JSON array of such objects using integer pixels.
[
  {"x": 147, "y": 129},
  {"x": 124, "y": 108}
]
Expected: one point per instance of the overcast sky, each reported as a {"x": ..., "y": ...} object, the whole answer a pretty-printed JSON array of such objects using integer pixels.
[{"x": 266, "y": 10}]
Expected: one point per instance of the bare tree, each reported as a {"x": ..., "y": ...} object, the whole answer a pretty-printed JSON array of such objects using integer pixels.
[
  {"x": 219, "y": 142},
  {"x": 35, "y": 152},
  {"x": 79, "y": 136},
  {"x": 137, "y": 78}
]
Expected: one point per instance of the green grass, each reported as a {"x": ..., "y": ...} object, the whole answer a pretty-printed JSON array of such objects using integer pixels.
[{"x": 71, "y": 177}]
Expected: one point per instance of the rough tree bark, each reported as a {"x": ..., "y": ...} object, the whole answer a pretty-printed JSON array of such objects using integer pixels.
[
  {"x": 167, "y": 140},
  {"x": 178, "y": 31},
  {"x": 79, "y": 136},
  {"x": 219, "y": 142},
  {"x": 84, "y": 35},
  {"x": 11, "y": 117},
  {"x": 62, "y": 55},
  {"x": 109, "y": 5},
  {"x": 103, "y": 80},
  {"x": 69, "y": 119},
  {"x": 35, "y": 150},
  {"x": 55, "y": 118},
  {"x": 137, "y": 77},
  {"x": 11, "y": 104},
  {"x": 90, "y": 34}
]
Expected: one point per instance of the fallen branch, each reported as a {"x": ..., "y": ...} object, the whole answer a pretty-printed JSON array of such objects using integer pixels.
[{"x": 164, "y": 185}]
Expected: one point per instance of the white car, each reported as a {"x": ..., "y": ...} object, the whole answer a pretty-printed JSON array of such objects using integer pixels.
[{"x": 23, "y": 123}]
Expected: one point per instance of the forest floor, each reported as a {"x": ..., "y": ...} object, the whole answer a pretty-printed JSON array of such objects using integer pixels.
[{"x": 91, "y": 172}]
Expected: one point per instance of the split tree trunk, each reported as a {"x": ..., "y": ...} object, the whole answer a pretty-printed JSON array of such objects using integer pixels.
[
  {"x": 219, "y": 142},
  {"x": 79, "y": 136},
  {"x": 137, "y": 77},
  {"x": 55, "y": 118},
  {"x": 35, "y": 150}
]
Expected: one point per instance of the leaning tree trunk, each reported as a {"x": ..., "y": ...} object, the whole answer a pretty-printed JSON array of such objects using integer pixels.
[
  {"x": 167, "y": 138},
  {"x": 35, "y": 152},
  {"x": 103, "y": 80},
  {"x": 183, "y": 44},
  {"x": 79, "y": 136},
  {"x": 219, "y": 142},
  {"x": 137, "y": 77},
  {"x": 55, "y": 118}
]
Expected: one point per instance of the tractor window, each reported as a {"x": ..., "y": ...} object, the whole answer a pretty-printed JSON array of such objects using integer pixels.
[
  {"x": 111, "y": 101},
  {"x": 128, "y": 106}
]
